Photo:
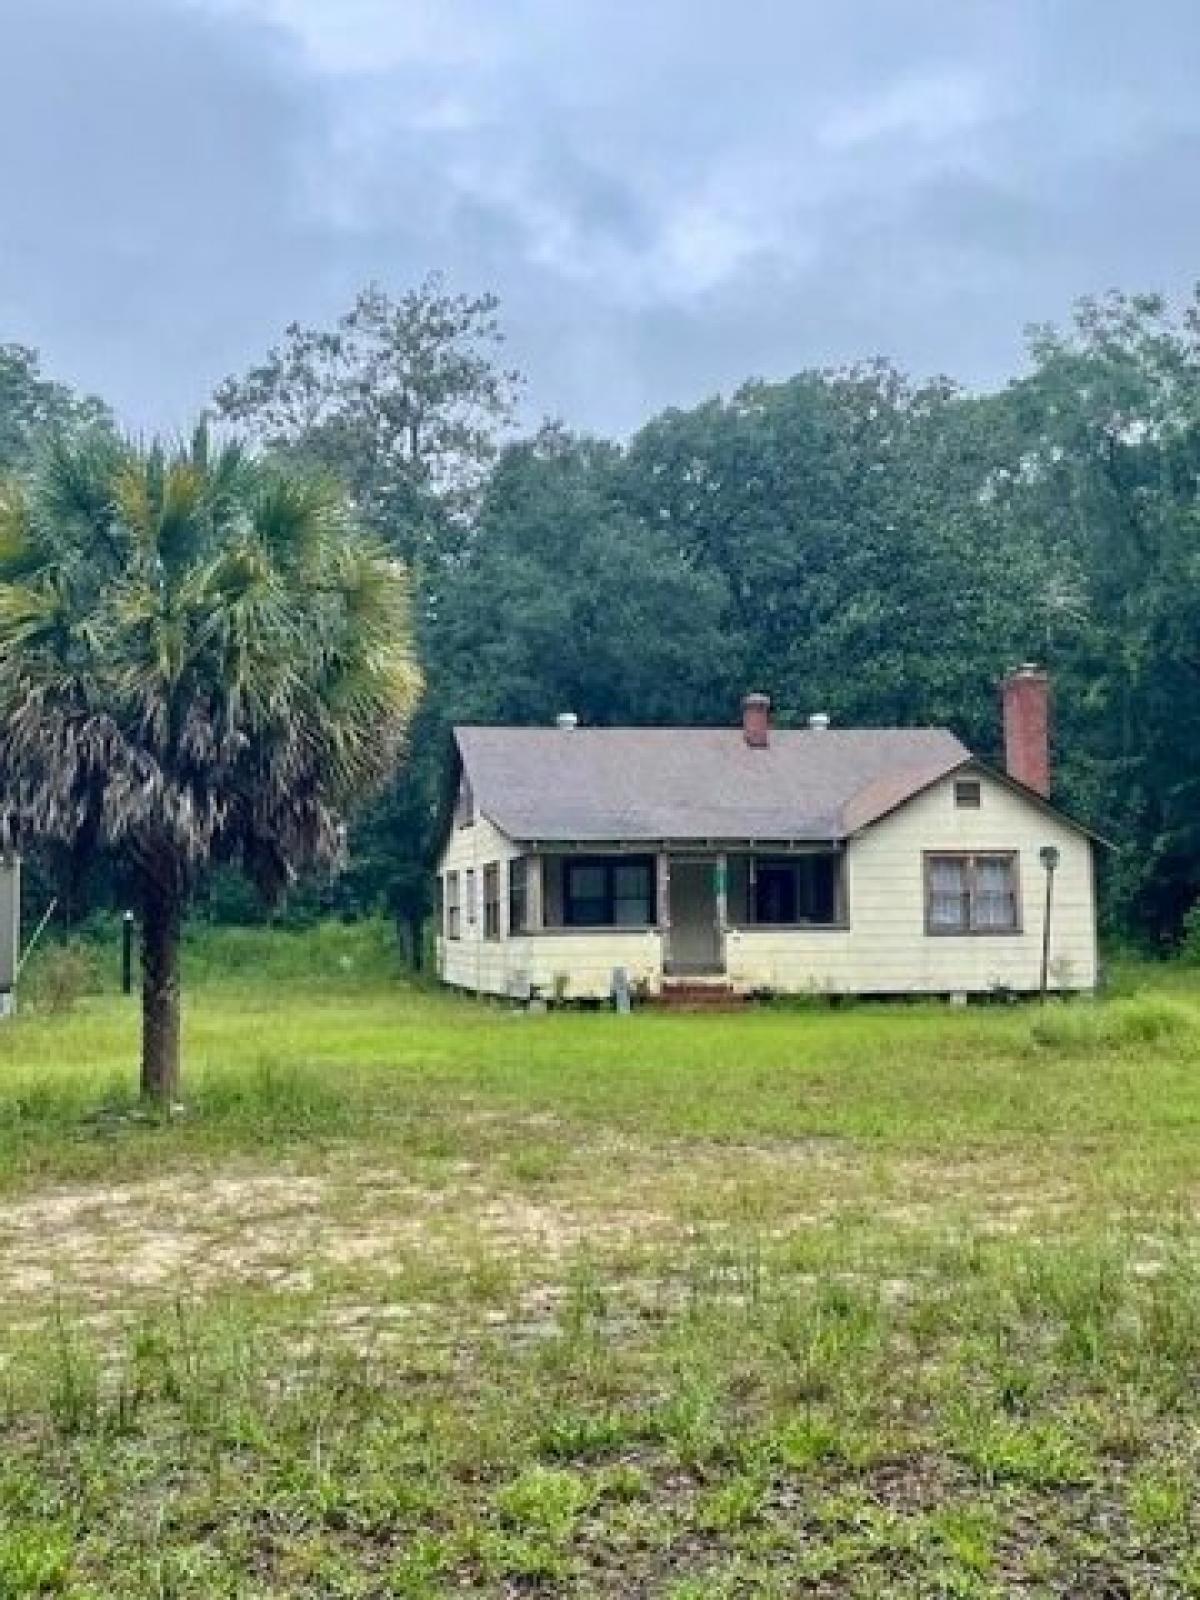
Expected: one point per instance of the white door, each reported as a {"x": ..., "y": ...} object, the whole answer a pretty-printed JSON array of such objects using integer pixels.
[{"x": 695, "y": 942}]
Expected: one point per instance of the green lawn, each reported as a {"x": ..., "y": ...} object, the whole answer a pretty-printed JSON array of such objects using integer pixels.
[{"x": 420, "y": 1297}]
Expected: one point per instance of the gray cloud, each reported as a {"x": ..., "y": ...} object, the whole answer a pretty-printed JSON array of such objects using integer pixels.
[{"x": 668, "y": 198}]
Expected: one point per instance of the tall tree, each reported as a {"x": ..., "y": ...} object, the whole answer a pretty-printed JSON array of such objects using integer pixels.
[
  {"x": 1111, "y": 479},
  {"x": 401, "y": 398},
  {"x": 405, "y": 400},
  {"x": 201, "y": 661},
  {"x": 852, "y": 517},
  {"x": 570, "y": 600},
  {"x": 31, "y": 406}
]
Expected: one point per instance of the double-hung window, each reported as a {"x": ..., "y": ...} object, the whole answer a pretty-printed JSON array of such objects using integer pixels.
[
  {"x": 977, "y": 893},
  {"x": 453, "y": 907}
]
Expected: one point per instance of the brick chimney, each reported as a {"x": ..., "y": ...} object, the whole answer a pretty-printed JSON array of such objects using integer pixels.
[
  {"x": 1026, "y": 697},
  {"x": 756, "y": 721}
]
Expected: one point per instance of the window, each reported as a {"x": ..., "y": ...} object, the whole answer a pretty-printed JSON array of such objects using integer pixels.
[
  {"x": 586, "y": 895},
  {"x": 775, "y": 892},
  {"x": 631, "y": 894},
  {"x": 491, "y": 901},
  {"x": 518, "y": 895},
  {"x": 608, "y": 894},
  {"x": 801, "y": 889},
  {"x": 464, "y": 805},
  {"x": 971, "y": 894},
  {"x": 470, "y": 897},
  {"x": 453, "y": 907},
  {"x": 968, "y": 794}
]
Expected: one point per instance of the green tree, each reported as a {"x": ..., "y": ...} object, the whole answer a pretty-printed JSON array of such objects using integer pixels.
[
  {"x": 201, "y": 661},
  {"x": 31, "y": 406},
  {"x": 856, "y": 523},
  {"x": 1110, "y": 480},
  {"x": 404, "y": 399},
  {"x": 571, "y": 601},
  {"x": 401, "y": 398}
]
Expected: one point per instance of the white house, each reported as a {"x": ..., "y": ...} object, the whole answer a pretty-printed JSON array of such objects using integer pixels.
[{"x": 759, "y": 860}]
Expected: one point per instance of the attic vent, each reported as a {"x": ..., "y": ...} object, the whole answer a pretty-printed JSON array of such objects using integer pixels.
[
  {"x": 819, "y": 721},
  {"x": 566, "y": 719}
]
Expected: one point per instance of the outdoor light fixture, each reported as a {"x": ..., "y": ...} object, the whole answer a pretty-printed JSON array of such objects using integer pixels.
[{"x": 1049, "y": 856}]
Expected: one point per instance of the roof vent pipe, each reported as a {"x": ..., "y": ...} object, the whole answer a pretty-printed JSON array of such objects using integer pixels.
[
  {"x": 819, "y": 721},
  {"x": 566, "y": 719}
]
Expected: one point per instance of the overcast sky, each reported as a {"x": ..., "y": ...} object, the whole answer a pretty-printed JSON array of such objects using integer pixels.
[{"x": 668, "y": 195}]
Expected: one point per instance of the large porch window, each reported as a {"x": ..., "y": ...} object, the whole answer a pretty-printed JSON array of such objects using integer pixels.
[
  {"x": 606, "y": 892},
  {"x": 799, "y": 890}
]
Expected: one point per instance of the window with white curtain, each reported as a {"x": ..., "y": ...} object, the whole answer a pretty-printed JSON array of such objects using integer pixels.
[{"x": 972, "y": 893}]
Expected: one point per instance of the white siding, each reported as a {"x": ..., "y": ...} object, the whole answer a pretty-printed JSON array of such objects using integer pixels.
[
  {"x": 471, "y": 961},
  {"x": 576, "y": 964},
  {"x": 885, "y": 949}
]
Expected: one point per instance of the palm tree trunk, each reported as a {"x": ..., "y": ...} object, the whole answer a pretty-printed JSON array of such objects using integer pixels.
[{"x": 161, "y": 926}]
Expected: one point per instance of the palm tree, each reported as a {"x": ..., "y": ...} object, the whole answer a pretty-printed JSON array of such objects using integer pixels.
[{"x": 201, "y": 661}]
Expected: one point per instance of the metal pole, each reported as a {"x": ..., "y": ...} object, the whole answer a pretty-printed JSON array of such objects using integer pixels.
[
  {"x": 1049, "y": 859},
  {"x": 127, "y": 953}
]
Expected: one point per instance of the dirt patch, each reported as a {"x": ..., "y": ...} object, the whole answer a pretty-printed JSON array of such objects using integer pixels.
[
  {"x": 292, "y": 1230},
  {"x": 280, "y": 1231}
]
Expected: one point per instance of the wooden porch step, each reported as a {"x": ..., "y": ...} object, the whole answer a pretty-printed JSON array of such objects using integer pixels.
[{"x": 692, "y": 994}]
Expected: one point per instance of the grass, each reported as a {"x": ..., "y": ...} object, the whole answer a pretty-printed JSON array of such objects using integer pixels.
[{"x": 424, "y": 1298}]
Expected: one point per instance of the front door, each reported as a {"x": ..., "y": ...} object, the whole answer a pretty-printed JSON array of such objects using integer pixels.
[{"x": 695, "y": 943}]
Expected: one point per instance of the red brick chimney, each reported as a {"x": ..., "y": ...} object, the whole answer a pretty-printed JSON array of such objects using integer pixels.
[
  {"x": 1026, "y": 697},
  {"x": 756, "y": 721}
]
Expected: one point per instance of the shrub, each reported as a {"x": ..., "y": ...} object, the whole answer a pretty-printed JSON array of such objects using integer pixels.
[
  {"x": 1144, "y": 1019},
  {"x": 1189, "y": 947},
  {"x": 60, "y": 977}
]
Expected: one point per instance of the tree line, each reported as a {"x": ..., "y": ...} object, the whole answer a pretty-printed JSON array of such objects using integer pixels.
[{"x": 853, "y": 541}]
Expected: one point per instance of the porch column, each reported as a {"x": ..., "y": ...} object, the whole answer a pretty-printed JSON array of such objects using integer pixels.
[
  {"x": 535, "y": 914},
  {"x": 722, "y": 887},
  {"x": 662, "y": 879}
]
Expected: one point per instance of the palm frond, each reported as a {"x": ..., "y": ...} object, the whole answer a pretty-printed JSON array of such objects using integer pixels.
[{"x": 199, "y": 657}]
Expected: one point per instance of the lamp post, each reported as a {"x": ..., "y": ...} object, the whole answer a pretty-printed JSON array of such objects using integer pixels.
[
  {"x": 1048, "y": 855},
  {"x": 127, "y": 953}
]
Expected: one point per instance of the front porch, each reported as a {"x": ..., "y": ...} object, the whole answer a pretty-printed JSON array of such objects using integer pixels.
[{"x": 674, "y": 913}]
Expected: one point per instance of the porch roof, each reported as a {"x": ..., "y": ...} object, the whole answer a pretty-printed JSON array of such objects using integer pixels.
[{"x": 644, "y": 784}]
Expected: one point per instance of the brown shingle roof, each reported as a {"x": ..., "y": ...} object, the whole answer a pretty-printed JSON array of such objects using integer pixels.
[{"x": 698, "y": 783}]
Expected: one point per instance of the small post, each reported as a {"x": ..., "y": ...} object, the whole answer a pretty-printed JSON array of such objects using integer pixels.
[
  {"x": 127, "y": 953},
  {"x": 1049, "y": 857},
  {"x": 620, "y": 991}
]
